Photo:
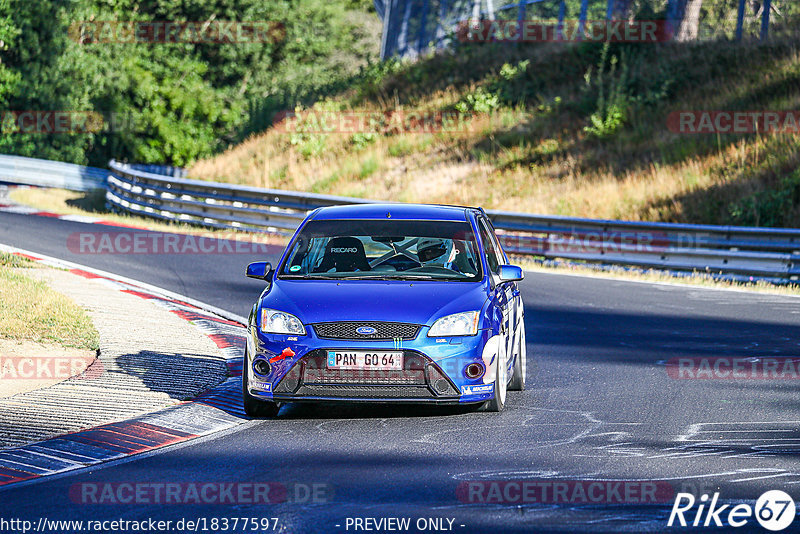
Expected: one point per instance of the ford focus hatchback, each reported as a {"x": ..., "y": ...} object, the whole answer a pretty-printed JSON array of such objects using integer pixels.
[{"x": 387, "y": 303}]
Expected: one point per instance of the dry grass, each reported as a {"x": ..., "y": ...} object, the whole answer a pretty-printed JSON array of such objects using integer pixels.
[
  {"x": 13, "y": 261},
  {"x": 64, "y": 202},
  {"x": 30, "y": 310},
  {"x": 60, "y": 201},
  {"x": 437, "y": 173},
  {"x": 533, "y": 155}
]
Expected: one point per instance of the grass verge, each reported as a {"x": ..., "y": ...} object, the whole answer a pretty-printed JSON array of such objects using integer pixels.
[{"x": 30, "y": 310}]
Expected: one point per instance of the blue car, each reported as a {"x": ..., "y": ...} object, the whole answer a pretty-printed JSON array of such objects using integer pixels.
[{"x": 387, "y": 303}]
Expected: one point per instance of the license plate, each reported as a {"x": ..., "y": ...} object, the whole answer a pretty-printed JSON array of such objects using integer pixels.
[{"x": 364, "y": 360}]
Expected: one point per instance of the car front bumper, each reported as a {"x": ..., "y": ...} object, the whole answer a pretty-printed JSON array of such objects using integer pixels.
[{"x": 432, "y": 373}]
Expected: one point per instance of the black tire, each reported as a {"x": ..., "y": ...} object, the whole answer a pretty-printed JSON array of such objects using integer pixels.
[
  {"x": 498, "y": 402},
  {"x": 252, "y": 406},
  {"x": 520, "y": 365}
]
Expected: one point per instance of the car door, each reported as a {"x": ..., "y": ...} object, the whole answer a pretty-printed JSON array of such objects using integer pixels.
[
  {"x": 502, "y": 293},
  {"x": 517, "y": 310}
]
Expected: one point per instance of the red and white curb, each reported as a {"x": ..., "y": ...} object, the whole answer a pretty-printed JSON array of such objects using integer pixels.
[
  {"x": 26, "y": 210},
  {"x": 217, "y": 409}
]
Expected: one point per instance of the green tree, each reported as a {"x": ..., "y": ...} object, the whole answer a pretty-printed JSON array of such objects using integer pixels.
[{"x": 172, "y": 102}]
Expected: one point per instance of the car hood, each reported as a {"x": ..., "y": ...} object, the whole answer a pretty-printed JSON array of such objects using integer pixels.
[{"x": 317, "y": 301}]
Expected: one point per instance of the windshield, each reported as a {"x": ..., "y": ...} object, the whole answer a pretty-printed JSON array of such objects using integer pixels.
[{"x": 384, "y": 249}]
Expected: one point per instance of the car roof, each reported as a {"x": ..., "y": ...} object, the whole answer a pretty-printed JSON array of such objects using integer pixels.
[{"x": 425, "y": 212}]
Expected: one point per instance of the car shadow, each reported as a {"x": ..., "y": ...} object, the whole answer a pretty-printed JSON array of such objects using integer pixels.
[
  {"x": 181, "y": 376},
  {"x": 345, "y": 410}
]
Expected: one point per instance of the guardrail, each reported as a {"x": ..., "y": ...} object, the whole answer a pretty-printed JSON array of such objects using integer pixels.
[
  {"x": 212, "y": 204},
  {"x": 758, "y": 252},
  {"x": 164, "y": 193},
  {"x": 46, "y": 173}
]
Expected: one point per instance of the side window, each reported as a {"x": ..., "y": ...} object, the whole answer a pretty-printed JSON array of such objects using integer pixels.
[
  {"x": 501, "y": 254},
  {"x": 489, "y": 248}
]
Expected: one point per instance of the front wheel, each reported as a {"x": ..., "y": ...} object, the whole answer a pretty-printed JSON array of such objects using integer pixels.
[
  {"x": 520, "y": 364},
  {"x": 252, "y": 406},
  {"x": 498, "y": 402}
]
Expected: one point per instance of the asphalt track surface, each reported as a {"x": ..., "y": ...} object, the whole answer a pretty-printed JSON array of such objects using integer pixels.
[{"x": 599, "y": 406}]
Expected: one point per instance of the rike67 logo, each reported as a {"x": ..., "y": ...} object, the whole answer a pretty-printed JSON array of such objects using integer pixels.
[{"x": 774, "y": 510}]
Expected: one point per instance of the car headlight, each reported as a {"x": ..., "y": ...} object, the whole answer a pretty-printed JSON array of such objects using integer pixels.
[
  {"x": 458, "y": 324},
  {"x": 278, "y": 322}
]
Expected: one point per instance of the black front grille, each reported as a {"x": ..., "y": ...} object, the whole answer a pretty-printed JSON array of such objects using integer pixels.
[
  {"x": 349, "y": 330},
  {"x": 352, "y": 376},
  {"x": 360, "y": 391}
]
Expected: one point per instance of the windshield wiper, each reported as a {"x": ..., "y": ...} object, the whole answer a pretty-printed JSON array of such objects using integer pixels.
[
  {"x": 329, "y": 277},
  {"x": 400, "y": 276},
  {"x": 413, "y": 276},
  {"x": 392, "y": 276},
  {"x": 310, "y": 277},
  {"x": 367, "y": 277}
]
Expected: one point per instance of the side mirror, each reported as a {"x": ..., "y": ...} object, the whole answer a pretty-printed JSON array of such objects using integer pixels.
[
  {"x": 260, "y": 270},
  {"x": 511, "y": 273}
]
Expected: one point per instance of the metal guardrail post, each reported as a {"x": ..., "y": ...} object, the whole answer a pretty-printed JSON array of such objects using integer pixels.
[
  {"x": 582, "y": 18},
  {"x": 740, "y": 20},
  {"x": 672, "y": 17},
  {"x": 386, "y": 26},
  {"x": 423, "y": 23},
  {"x": 440, "y": 30},
  {"x": 403, "y": 38},
  {"x": 767, "y": 7}
]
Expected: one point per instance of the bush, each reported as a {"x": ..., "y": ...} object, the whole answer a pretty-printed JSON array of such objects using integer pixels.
[
  {"x": 479, "y": 101},
  {"x": 613, "y": 100},
  {"x": 181, "y": 101}
]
